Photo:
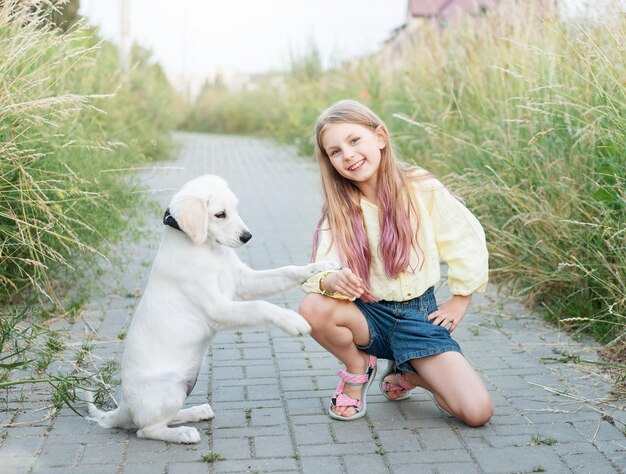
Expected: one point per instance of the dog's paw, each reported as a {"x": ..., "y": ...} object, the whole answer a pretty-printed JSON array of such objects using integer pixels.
[
  {"x": 188, "y": 435},
  {"x": 323, "y": 266},
  {"x": 204, "y": 412},
  {"x": 296, "y": 325}
]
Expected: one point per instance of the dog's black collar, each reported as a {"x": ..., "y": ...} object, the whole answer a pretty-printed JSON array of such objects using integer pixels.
[{"x": 168, "y": 219}]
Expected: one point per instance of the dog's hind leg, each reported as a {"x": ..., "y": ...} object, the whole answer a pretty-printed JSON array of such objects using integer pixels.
[
  {"x": 197, "y": 413},
  {"x": 181, "y": 434}
]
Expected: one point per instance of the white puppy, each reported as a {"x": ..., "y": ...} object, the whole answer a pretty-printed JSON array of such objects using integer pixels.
[{"x": 197, "y": 286}]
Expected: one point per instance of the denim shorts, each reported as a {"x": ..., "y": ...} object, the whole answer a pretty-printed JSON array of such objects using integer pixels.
[{"x": 400, "y": 330}]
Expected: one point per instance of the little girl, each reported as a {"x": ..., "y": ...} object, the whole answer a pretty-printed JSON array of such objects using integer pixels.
[{"x": 389, "y": 225}]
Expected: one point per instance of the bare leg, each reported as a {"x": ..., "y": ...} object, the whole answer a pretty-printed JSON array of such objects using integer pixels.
[
  {"x": 456, "y": 386},
  {"x": 337, "y": 325}
]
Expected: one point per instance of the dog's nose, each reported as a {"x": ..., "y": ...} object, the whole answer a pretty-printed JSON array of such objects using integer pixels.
[{"x": 245, "y": 236}]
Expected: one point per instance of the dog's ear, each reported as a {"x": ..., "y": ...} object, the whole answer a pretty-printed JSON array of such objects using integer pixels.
[{"x": 192, "y": 218}]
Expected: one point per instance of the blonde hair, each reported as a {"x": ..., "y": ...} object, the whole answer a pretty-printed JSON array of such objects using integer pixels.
[{"x": 342, "y": 212}]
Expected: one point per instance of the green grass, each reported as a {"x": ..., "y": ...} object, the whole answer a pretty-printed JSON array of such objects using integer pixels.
[{"x": 525, "y": 118}]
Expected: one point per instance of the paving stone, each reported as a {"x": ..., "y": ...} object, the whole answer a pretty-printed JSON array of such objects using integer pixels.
[
  {"x": 229, "y": 418},
  {"x": 310, "y": 407},
  {"x": 399, "y": 440},
  {"x": 273, "y": 446},
  {"x": 268, "y": 417},
  {"x": 519, "y": 459},
  {"x": 99, "y": 469},
  {"x": 587, "y": 462},
  {"x": 338, "y": 449},
  {"x": 263, "y": 392},
  {"x": 233, "y": 448},
  {"x": 197, "y": 467},
  {"x": 431, "y": 457},
  {"x": 11, "y": 464},
  {"x": 95, "y": 453},
  {"x": 416, "y": 467},
  {"x": 318, "y": 464},
  {"x": 22, "y": 446},
  {"x": 145, "y": 468},
  {"x": 258, "y": 465},
  {"x": 440, "y": 439},
  {"x": 358, "y": 463},
  {"x": 454, "y": 468},
  {"x": 508, "y": 441},
  {"x": 157, "y": 455},
  {"x": 312, "y": 434},
  {"x": 56, "y": 455}
]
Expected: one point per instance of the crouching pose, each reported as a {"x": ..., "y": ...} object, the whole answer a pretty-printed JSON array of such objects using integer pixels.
[{"x": 389, "y": 225}]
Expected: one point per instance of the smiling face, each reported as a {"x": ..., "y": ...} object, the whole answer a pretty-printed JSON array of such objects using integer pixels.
[{"x": 355, "y": 152}]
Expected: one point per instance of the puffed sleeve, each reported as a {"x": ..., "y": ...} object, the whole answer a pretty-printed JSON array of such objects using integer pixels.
[
  {"x": 461, "y": 244},
  {"x": 325, "y": 251}
]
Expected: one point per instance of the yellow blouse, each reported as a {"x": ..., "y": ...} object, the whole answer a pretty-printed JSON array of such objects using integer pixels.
[{"x": 447, "y": 232}]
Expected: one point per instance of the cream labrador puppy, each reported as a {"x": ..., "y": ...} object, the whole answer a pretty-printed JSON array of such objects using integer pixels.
[{"x": 197, "y": 286}]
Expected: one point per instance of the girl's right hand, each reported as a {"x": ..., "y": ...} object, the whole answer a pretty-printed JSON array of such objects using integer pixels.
[{"x": 344, "y": 281}]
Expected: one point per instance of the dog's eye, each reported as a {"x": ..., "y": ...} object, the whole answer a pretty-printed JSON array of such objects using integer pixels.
[{"x": 221, "y": 215}]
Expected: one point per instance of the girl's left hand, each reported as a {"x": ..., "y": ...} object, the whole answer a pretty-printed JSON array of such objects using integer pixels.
[{"x": 451, "y": 312}]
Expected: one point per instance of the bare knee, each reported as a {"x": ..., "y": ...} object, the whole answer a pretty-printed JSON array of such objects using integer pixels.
[
  {"x": 479, "y": 413},
  {"x": 316, "y": 310}
]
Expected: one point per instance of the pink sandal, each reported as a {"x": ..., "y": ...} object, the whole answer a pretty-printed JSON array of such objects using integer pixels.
[
  {"x": 340, "y": 399},
  {"x": 386, "y": 387}
]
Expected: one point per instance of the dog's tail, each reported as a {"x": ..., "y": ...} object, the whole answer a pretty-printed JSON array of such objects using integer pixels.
[{"x": 118, "y": 418}]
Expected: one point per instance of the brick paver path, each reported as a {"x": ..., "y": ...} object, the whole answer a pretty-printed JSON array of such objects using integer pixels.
[{"x": 270, "y": 391}]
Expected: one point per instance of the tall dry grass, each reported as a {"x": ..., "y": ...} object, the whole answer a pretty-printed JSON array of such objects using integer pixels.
[
  {"x": 68, "y": 116},
  {"x": 525, "y": 117}
]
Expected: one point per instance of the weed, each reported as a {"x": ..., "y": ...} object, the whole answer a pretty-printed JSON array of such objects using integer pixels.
[
  {"x": 212, "y": 457},
  {"x": 537, "y": 440}
]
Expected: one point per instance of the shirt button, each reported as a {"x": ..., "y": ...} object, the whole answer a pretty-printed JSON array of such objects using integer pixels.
[{"x": 408, "y": 294}]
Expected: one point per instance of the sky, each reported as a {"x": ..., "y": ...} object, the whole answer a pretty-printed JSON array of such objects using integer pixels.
[{"x": 200, "y": 37}]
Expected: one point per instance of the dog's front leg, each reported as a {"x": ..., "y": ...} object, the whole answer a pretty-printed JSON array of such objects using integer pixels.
[
  {"x": 254, "y": 284},
  {"x": 237, "y": 314}
]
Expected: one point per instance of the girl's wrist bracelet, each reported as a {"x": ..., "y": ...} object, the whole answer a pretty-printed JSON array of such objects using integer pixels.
[{"x": 321, "y": 286}]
